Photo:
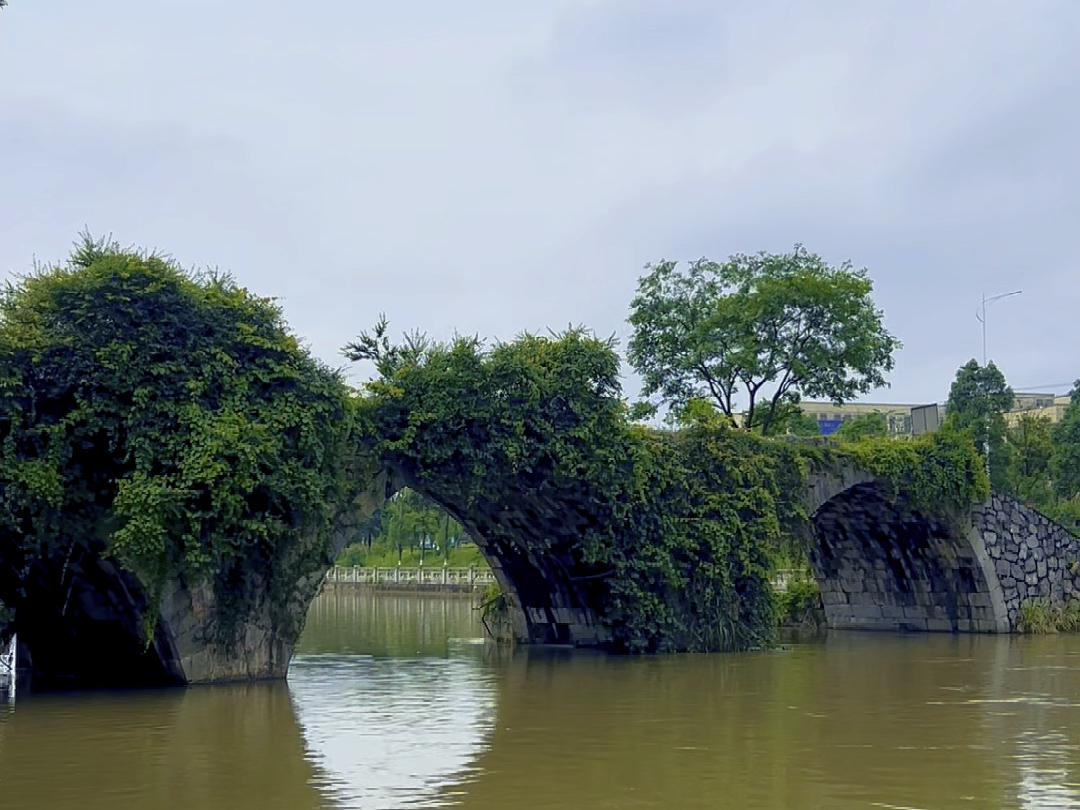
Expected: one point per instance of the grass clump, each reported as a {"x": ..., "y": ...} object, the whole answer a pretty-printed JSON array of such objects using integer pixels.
[{"x": 1041, "y": 616}]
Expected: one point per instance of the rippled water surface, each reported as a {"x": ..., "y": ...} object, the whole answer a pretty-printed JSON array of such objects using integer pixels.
[{"x": 392, "y": 703}]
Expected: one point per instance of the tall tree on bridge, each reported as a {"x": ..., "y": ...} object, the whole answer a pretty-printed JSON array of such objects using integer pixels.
[
  {"x": 769, "y": 328},
  {"x": 978, "y": 398}
]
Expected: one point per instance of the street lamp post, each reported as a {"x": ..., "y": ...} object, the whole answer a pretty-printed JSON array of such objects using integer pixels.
[
  {"x": 982, "y": 319},
  {"x": 982, "y": 316}
]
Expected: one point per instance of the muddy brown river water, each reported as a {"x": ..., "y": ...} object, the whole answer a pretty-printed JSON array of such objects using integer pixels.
[{"x": 392, "y": 702}]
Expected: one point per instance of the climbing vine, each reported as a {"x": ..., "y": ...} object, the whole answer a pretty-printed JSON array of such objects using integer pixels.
[
  {"x": 674, "y": 533},
  {"x": 165, "y": 418},
  {"x": 673, "y": 529},
  {"x": 932, "y": 472}
]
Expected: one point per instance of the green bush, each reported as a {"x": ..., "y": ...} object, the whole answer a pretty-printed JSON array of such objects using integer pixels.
[
  {"x": 1043, "y": 616},
  {"x": 800, "y": 603},
  {"x": 933, "y": 471}
]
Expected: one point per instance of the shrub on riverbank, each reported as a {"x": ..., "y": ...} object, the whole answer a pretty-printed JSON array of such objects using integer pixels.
[
  {"x": 1041, "y": 616},
  {"x": 799, "y": 605}
]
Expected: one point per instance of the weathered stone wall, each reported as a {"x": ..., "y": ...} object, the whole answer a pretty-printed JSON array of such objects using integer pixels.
[
  {"x": 883, "y": 568},
  {"x": 1033, "y": 557},
  {"x": 258, "y": 645}
]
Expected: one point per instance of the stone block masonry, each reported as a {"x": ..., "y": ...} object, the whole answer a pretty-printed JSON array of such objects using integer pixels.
[
  {"x": 884, "y": 567},
  {"x": 1032, "y": 557}
]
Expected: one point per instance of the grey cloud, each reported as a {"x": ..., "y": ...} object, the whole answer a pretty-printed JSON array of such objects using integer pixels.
[
  {"x": 944, "y": 164},
  {"x": 493, "y": 167}
]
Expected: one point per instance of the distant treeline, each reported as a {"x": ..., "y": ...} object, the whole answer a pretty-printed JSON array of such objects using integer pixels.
[{"x": 410, "y": 529}]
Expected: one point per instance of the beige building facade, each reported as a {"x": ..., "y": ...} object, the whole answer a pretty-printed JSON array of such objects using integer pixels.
[
  {"x": 899, "y": 417},
  {"x": 1050, "y": 406}
]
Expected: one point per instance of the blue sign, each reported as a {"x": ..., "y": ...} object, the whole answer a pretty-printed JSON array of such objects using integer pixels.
[{"x": 828, "y": 426}]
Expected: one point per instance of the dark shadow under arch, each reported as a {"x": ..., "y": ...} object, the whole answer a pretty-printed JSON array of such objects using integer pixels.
[
  {"x": 529, "y": 539},
  {"x": 883, "y": 566},
  {"x": 78, "y": 618}
]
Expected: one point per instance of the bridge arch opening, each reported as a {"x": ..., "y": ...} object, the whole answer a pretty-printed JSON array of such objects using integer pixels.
[
  {"x": 529, "y": 538},
  {"x": 78, "y": 617},
  {"x": 881, "y": 565}
]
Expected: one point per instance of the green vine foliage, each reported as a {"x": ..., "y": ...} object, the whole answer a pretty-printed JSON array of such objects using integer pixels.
[
  {"x": 931, "y": 473},
  {"x": 528, "y": 443},
  {"x": 672, "y": 533},
  {"x": 168, "y": 417}
]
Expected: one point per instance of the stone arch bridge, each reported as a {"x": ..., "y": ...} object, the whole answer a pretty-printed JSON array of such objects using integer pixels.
[{"x": 879, "y": 564}]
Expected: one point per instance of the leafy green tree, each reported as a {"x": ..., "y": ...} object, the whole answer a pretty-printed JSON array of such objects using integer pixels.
[
  {"x": 408, "y": 522},
  {"x": 978, "y": 398},
  {"x": 770, "y": 327},
  {"x": 794, "y": 421},
  {"x": 1031, "y": 447},
  {"x": 1065, "y": 459},
  {"x": 863, "y": 426}
]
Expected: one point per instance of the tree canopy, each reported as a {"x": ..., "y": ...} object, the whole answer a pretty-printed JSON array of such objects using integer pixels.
[
  {"x": 978, "y": 398},
  {"x": 768, "y": 328},
  {"x": 172, "y": 412},
  {"x": 1065, "y": 457},
  {"x": 863, "y": 426},
  {"x": 405, "y": 527},
  {"x": 1031, "y": 447}
]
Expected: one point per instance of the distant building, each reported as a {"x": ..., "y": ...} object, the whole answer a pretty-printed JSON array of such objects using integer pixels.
[
  {"x": 903, "y": 419},
  {"x": 898, "y": 418},
  {"x": 1050, "y": 406}
]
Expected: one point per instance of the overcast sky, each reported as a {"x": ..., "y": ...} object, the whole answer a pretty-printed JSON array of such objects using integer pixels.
[{"x": 492, "y": 166}]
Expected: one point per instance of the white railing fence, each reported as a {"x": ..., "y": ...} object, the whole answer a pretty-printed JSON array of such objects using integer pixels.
[{"x": 471, "y": 577}]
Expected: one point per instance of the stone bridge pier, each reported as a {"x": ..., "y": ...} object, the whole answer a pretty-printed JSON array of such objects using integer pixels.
[{"x": 883, "y": 566}]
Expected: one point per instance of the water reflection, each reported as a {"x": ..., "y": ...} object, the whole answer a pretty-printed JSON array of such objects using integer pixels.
[
  {"x": 393, "y": 697},
  {"x": 388, "y": 733},
  {"x": 390, "y": 624},
  {"x": 860, "y": 721},
  {"x": 1042, "y": 674}
]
